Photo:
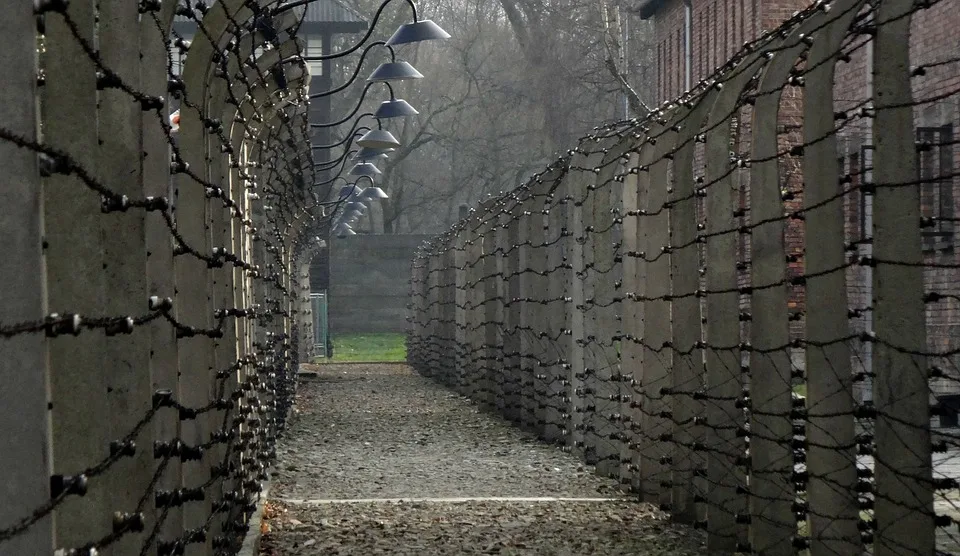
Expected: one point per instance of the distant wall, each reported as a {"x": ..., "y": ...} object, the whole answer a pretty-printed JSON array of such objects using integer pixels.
[{"x": 369, "y": 288}]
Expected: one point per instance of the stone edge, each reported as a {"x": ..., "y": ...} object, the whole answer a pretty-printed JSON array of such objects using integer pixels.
[{"x": 251, "y": 541}]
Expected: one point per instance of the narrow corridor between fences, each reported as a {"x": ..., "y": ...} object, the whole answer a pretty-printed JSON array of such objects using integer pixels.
[
  {"x": 730, "y": 324},
  {"x": 379, "y": 460}
]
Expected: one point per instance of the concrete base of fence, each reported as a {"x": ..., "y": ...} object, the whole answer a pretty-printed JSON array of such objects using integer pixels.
[{"x": 251, "y": 542}]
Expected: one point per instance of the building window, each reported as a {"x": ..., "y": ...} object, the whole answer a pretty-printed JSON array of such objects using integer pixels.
[
  {"x": 670, "y": 69},
  {"x": 714, "y": 54},
  {"x": 725, "y": 22},
  {"x": 662, "y": 71},
  {"x": 702, "y": 65},
  {"x": 855, "y": 208},
  {"x": 176, "y": 60},
  {"x": 935, "y": 161},
  {"x": 315, "y": 48},
  {"x": 935, "y": 151},
  {"x": 681, "y": 64}
]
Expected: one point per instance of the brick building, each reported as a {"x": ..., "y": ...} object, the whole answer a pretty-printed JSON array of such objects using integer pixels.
[{"x": 695, "y": 37}]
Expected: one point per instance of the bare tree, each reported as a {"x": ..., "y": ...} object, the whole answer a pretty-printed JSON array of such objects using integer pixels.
[{"x": 518, "y": 83}]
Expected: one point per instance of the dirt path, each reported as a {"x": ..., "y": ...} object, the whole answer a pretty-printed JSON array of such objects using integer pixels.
[{"x": 381, "y": 461}]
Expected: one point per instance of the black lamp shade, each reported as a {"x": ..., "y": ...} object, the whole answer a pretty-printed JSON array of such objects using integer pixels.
[
  {"x": 425, "y": 30},
  {"x": 395, "y": 71},
  {"x": 395, "y": 108}
]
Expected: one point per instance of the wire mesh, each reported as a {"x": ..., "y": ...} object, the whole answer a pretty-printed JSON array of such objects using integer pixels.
[
  {"x": 740, "y": 304},
  {"x": 156, "y": 210}
]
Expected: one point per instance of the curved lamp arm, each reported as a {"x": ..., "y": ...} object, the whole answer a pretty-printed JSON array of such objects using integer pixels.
[
  {"x": 339, "y": 200},
  {"x": 332, "y": 163},
  {"x": 357, "y": 107},
  {"x": 356, "y": 72},
  {"x": 342, "y": 200},
  {"x": 360, "y": 117},
  {"x": 372, "y": 183},
  {"x": 346, "y": 139},
  {"x": 331, "y": 180},
  {"x": 354, "y": 48}
]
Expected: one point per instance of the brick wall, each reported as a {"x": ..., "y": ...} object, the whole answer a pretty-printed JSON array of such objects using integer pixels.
[
  {"x": 933, "y": 41},
  {"x": 719, "y": 29}
]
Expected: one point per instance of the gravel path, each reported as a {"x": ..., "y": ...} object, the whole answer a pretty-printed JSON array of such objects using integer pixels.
[{"x": 378, "y": 433}]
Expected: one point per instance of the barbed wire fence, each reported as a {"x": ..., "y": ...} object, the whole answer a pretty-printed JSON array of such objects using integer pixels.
[
  {"x": 740, "y": 305},
  {"x": 153, "y": 307}
]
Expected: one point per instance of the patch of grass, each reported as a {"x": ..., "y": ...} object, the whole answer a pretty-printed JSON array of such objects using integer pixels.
[{"x": 368, "y": 348}]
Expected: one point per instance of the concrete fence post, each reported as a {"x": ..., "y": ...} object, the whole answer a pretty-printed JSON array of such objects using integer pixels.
[
  {"x": 539, "y": 270},
  {"x": 72, "y": 217},
  {"x": 772, "y": 491},
  {"x": 490, "y": 310},
  {"x": 513, "y": 315},
  {"x": 25, "y": 449},
  {"x": 688, "y": 364},
  {"x": 830, "y": 427},
  {"x": 656, "y": 429},
  {"x": 126, "y": 358},
  {"x": 462, "y": 299},
  {"x": 724, "y": 412},
  {"x": 607, "y": 273},
  {"x": 164, "y": 367},
  {"x": 576, "y": 194},
  {"x": 632, "y": 325},
  {"x": 904, "y": 483},
  {"x": 559, "y": 311},
  {"x": 501, "y": 233}
]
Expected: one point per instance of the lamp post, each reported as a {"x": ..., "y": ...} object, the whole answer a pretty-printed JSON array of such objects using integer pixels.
[
  {"x": 318, "y": 29},
  {"x": 376, "y": 142}
]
